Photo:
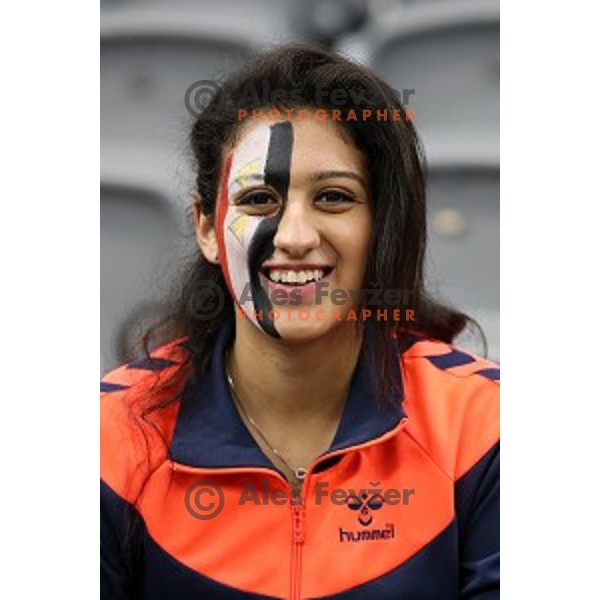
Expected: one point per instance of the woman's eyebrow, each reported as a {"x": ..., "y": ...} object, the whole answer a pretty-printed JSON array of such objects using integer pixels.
[
  {"x": 250, "y": 176},
  {"x": 319, "y": 176},
  {"x": 244, "y": 179}
]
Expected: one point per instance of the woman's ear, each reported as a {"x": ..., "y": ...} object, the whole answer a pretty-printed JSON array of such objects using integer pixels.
[{"x": 206, "y": 235}]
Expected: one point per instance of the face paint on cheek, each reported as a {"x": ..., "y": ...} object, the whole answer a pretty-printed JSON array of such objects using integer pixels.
[
  {"x": 245, "y": 241},
  {"x": 234, "y": 231},
  {"x": 240, "y": 230},
  {"x": 277, "y": 176}
]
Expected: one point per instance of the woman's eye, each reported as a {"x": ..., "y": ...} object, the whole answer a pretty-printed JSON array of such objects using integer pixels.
[
  {"x": 334, "y": 197},
  {"x": 260, "y": 199}
]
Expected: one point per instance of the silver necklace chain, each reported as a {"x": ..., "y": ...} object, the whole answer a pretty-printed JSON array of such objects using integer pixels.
[{"x": 299, "y": 472}]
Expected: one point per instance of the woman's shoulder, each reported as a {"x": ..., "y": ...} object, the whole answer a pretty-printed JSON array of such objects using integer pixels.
[
  {"x": 138, "y": 409},
  {"x": 137, "y": 374},
  {"x": 452, "y": 361},
  {"x": 452, "y": 402}
]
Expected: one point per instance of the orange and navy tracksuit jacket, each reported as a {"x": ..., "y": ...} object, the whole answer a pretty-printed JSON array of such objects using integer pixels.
[{"x": 416, "y": 508}]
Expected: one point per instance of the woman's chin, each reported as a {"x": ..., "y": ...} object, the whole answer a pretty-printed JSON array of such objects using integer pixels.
[
  {"x": 302, "y": 332},
  {"x": 300, "y": 324},
  {"x": 305, "y": 325}
]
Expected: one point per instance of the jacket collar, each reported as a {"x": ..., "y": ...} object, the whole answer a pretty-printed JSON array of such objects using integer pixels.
[{"x": 210, "y": 433}]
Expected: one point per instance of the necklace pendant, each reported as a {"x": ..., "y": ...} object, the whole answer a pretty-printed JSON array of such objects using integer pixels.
[{"x": 300, "y": 473}]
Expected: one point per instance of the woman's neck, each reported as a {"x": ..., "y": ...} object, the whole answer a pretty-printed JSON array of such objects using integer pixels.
[{"x": 298, "y": 388}]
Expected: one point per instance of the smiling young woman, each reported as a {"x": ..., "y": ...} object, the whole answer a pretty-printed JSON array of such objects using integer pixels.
[{"x": 282, "y": 392}]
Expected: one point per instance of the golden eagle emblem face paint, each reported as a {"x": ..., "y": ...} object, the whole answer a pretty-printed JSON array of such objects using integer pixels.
[{"x": 263, "y": 158}]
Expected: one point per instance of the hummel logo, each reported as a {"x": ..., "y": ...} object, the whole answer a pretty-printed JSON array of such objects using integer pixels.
[
  {"x": 364, "y": 535},
  {"x": 365, "y": 503}
]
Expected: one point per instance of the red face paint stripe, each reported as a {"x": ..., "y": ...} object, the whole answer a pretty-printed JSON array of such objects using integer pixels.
[{"x": 222, "y": 206}]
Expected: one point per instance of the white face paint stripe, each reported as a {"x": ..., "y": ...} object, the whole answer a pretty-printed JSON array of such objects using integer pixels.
[
  {"x": 247, "y": 168},
  {"x": 238, "y": 257}
]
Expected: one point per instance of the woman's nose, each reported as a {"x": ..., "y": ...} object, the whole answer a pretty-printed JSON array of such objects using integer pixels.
[{"x": 296, "y": 234}]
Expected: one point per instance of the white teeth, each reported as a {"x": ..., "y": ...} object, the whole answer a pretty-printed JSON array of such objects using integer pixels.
[{"x": 300, "y": 277}]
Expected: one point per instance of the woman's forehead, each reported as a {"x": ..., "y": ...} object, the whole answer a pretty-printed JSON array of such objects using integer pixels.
[
  {"x": 248, "y": 158},
  {"x": 317, "y": 146}
]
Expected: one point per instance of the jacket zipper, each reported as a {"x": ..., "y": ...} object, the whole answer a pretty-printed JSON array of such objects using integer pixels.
[{"x": 298, "y": 536}]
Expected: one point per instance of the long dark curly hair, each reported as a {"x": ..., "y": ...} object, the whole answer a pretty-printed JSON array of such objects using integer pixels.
[{"x": 298, "y": 77}]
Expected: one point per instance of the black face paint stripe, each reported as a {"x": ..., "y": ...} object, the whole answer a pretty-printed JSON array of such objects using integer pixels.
[
  {"x": 279, "y": 158},
  {"x": 277, "y": 176},
  {"x": 264, "y": 244}
]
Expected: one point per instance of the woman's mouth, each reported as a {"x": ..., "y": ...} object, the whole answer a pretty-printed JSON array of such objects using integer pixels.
[
  {"x": 296, "y": 277},
  {"x": 297, "y": 283}
]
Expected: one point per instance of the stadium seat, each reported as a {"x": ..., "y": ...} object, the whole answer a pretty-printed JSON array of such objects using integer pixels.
[
  {"x": 463, "y": 262},
  {"x": 448, "y": 53},
  {"x": 325, "y": 20},
  {"x": 149, "y": 60},
  {"x": 140, "y": 244}
]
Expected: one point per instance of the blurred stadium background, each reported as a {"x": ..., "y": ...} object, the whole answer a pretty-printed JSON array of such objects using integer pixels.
[{"x": 152, "y": 51}]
